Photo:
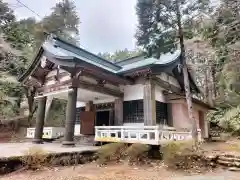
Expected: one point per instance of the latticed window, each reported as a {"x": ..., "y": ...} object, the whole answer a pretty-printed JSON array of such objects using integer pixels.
[
  {"x": 161, "y": 113},
  {"x": 133, "y": 111}
]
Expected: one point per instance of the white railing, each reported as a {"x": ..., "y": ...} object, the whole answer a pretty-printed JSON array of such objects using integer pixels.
[
  {"x": 153, "y": 135},
  {"x": 48, "y": 132}
]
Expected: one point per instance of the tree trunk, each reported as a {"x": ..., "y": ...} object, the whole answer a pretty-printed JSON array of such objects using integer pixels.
[
  {"x": 214, "y": 81},
  {"x": 210, "y": 86},
  {"x": 205, "y": 87},
  {"x": 185, "y": 74},
  {"x": 30, "y": 93}
]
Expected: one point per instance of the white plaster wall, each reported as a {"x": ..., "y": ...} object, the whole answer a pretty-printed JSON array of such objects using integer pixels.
[
  {"x": 159, "y": 94},
  {"x": 80, "y": 104},
  {"x": 169, "y": 79},
  {"x": 133, "y": 92},
  {"x": 77, "y": 130},
  {"x": 173, "y": 81},
  {"x": 163, "y": 76}
]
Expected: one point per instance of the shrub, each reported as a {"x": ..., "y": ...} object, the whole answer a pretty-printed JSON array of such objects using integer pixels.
[
  {"x": 169, "y": 151},
  {"x": 112, "y": 152},
  {"x": 181, "y": 155},
  {"x": 34, "y": 158},
  {"x": 137, "y": 153},
  {"x": 214, "y": 116},
  {"x": 231, "y": 120}
]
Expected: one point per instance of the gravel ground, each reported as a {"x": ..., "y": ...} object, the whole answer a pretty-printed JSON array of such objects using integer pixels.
[{"x": 116, "y": 172}]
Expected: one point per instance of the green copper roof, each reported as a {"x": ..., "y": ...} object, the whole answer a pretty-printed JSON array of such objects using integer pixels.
[
  {"x": 67, "y": 54},
  {"x": 63, "y": 50},
  {"x": 164, "y": 59},
  {"x": 61, "y": 53}
]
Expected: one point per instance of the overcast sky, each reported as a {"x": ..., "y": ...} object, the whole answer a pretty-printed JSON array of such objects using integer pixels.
[{"x": 106, "y": 25}]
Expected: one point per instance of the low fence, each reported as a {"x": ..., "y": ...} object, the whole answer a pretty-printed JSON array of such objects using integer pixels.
[{"x": 153, "y": 135}]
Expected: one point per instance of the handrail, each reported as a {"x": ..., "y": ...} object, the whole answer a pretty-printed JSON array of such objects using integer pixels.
[
  {"x": 141, "y": 134},
  {"x": 127, "y": 127}
]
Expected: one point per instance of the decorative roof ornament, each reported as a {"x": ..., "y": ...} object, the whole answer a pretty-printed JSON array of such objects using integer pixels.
[
  {"x": 43, "y": 61},
  {"x": 179, "y": 66},
  {"x": 50, "y": 38}
]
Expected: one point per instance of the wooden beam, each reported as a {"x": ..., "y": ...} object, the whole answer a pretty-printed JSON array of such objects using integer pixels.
[
  {"x": 32, "y": 81},
  {"x": 167, "y": 85},
  {"x": 87, "y": 74},
  {"x": 102, "y": 73},
  {"x": 56, "y": 86},
  {"x": 60, "y": 75},
  {"x": 97, "y": 88},
  {"x": 137, "y": 73},
  {"x": 81, "y": 84}
]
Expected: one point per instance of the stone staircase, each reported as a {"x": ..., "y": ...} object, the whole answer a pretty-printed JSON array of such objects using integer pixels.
[{"x": 229, "y": 161}]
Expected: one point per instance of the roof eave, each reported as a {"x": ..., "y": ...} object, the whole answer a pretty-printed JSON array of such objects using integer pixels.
[
  {"x": 59, "y": 42},
  {"x": 206, "y": 105},
  {"x": 32, "y": 66}
]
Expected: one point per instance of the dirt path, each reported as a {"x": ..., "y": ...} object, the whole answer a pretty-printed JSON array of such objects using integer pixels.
[
  {"x": 92, "y": 172},
  {"x": 115, "y": 172}
]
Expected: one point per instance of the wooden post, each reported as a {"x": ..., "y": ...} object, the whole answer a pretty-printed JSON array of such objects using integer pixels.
[
  {"x": 149, "y": 104},
  {"x": 89, "y": 106},
  {"x": 48, "y": 107},
  {"x": 111, "y": 117},
  {"x": 70, "y": 118},
  {"x": 40, "y": 120},
  {"x": 169, "y": 114},
  {"x": 118, "y": 112}
]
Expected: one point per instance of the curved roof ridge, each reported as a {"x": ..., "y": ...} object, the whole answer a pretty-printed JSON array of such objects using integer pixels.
[{"x": 77, "y": 50}]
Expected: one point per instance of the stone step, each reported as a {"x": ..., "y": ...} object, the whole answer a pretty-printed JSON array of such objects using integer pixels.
[
  {"x": 228, "y": 164},
  {"x": 229, "y": 159},
  {"x": 234, "y": 169},
  {"x": 230, "y": 156}
]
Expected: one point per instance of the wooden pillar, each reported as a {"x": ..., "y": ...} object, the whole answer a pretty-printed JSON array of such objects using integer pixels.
[
  {"x": 118, "y": 112},
  {"x": 169, "y": 114},
  {"x": 206, "y": 126},
  {"x": 40, "y": 120},
  {"x": 48, "y": 107},
  {"x": 70, "y": 118},
  {"x": 111, "y": 117},
  {"x": 149, "y": 104},
  {"x": 90, "y": 106}
]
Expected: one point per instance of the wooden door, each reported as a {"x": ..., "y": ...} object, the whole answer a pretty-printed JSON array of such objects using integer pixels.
[{"x": 87, "y": 121}]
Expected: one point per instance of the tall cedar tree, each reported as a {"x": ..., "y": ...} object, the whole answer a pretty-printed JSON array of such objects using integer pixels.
[
  {"x": 25, "y": 35},
  {"x": 6, "y": 14},
  {"x": 63, "y": 21},
  {"x": 223, "y": 32},
  {"x": 161, "y": 29}
]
